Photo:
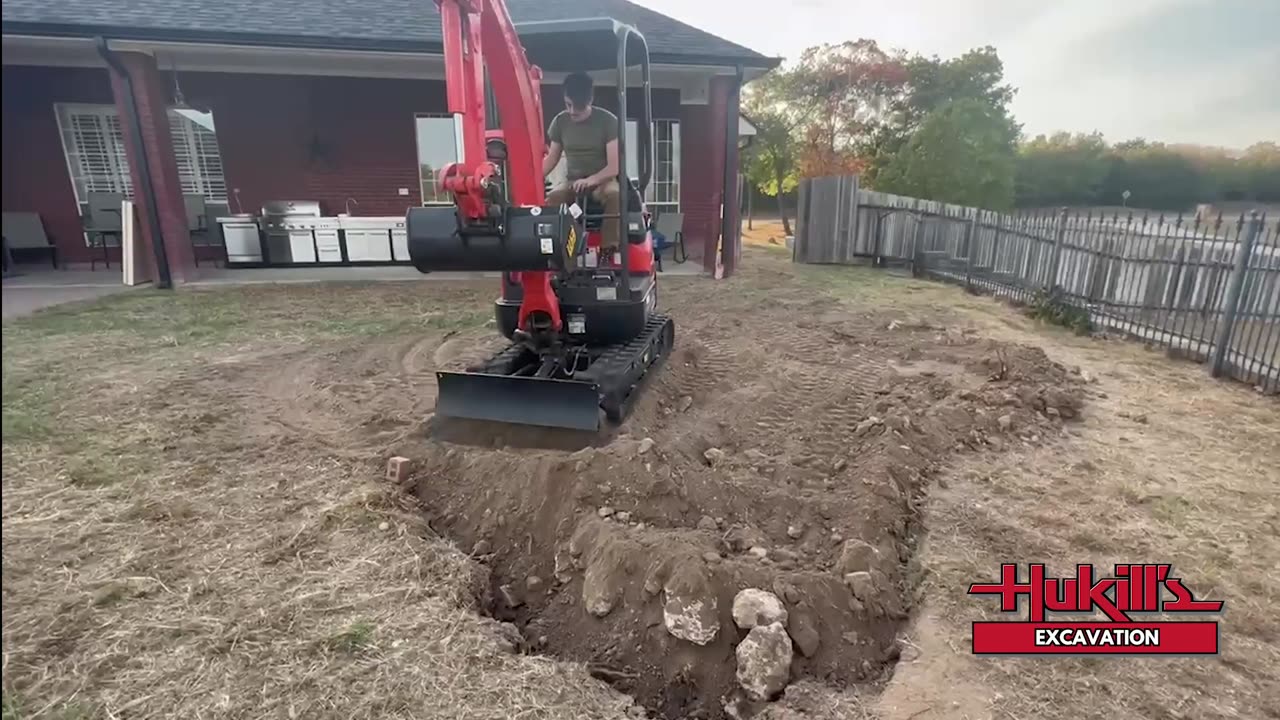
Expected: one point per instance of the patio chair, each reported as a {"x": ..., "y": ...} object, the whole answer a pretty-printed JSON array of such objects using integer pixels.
[
  {"x": 24, "y": 234},
  {"x": 102, "y": 222},
  {"x": 669, "y": 233}
]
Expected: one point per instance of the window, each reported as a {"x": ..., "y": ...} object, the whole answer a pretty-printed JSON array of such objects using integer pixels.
[
  {"x": 438, "y": 139},
  {"x": 93, "y": 141},
  {"x": 663, "y": 194},
  {"x": 195, "y": 147}
]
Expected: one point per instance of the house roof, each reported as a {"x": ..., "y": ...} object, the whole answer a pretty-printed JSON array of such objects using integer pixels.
[{"x": 387, "y": 25}]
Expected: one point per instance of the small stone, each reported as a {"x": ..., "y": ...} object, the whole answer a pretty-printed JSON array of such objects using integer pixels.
[
  {"x": 795, "y": 532},
  {"x": 755, "y": 455},
  {"x": 640, "y": 526},
  {"x": 707, "y": 523},
  {"x": 758, "y": 552},
  {"x": 622, "y": 517},
  {"x": 533, "y": 583},
  {"x": 856, "y": 555},
  {"x": 509, "y": 637},
  {"x": 1006, "y": 422},
  {"x": 1088, "y": 377},
  {"x": 398, "y": 469},
  {"x": 752, "y": 607},
  {"x": 711, "y": 556},
  {"x": 1140, "y": 419},
  {"x": 743, "y": 537},
  {"x": 637, "y": 712},
  {"x": 482, "y": 547},
  {"x": 686, "y": 402},
  {"x": 645, "y": 446},
  {"x": 836, "y": 538},
  {"x": 605, "y": 512},
  {"x": 384, "y": 526},
  {"x": 714, "y": 456},
  {"x": 764, "y": 661},
  {"x": 1035, "y": 438},
  {"x": 840, "y": 465},
  {"x": 580, "y": 467},
  {"x": 509, "y": 596},
  {"x": 563, "y": 572},
  {"x": 851, "y": 637},
  {"x": 1052, "y": 412},
  {"x": 867, "y": 424},
  {"x": 860, "y": 583}
]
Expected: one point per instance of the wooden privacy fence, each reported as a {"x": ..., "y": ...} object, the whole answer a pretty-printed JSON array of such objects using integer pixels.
[{"x": 1206, "y": 287}]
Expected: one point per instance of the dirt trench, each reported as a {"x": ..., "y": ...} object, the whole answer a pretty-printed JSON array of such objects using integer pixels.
[{"x": 793, "y": 461}]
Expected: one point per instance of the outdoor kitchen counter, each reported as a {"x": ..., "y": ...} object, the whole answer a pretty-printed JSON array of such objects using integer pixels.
[{"x": 317, "y": 240}]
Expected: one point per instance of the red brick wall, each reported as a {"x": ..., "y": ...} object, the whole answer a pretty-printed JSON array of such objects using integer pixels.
[
  {"x": 305, "y": 138},
  {"x": 35, "y": 169},
  {"x": 318, "y": 138},
  {"x": 702, "y": 173}
]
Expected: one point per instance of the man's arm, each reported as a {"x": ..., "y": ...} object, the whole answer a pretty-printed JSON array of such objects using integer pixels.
[
  {"x": 610, "y": 170},
  {"x": 552, "y": 159}
]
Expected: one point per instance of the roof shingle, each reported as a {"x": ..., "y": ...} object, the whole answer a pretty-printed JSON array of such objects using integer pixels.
[{"x": 371, "y": 24}]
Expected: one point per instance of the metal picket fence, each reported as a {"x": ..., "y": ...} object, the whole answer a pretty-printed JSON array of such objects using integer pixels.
[{"x": 1205, "y": 287}]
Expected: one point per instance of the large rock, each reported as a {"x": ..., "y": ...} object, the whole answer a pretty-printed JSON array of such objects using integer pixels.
[
  {"x": 764, "y": 661},
  {"x": 690, "y": 611},
  {"x": 752, "y": 607}
]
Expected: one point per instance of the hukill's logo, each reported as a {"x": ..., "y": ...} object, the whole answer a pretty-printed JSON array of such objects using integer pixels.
[{"x": 1134, "y": 589}]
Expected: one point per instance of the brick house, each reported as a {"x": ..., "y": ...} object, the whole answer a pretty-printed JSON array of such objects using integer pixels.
[{"x": 342, "y": 103}]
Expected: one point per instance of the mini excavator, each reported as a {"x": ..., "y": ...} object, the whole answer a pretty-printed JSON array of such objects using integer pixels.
[{"x": 584, "y": 328}]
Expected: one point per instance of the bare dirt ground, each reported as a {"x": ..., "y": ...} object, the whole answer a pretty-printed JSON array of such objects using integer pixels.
[{"x": 195, "y": 523}]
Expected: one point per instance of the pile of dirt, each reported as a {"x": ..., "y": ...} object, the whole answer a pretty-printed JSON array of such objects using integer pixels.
[{"x": 795, "y": 466}]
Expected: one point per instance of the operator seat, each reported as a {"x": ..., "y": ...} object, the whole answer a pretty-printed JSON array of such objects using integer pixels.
[{"x": 593, "y": 210}]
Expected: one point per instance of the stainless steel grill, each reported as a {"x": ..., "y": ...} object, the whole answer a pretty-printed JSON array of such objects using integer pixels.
[{"x": 279, "y": 218}]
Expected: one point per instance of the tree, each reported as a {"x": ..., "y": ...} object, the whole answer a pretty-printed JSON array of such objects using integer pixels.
[
  {"x": 1063, "y": 169},
  {"x": 771, "y": 164},
  {"x": 835, "y": 99},
  {"x": 1260, "y": 168},
  {"x": 934, "y": 83},
  {"x": 961, "y": 153}
]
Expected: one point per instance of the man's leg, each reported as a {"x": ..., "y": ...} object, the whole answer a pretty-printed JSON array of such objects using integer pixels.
[{"x": 607, "y": 195}]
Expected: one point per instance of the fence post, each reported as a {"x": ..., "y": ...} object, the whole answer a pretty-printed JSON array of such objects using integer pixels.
[
  {"x": 917, "y": 244},
  {"x": 1055, "y": 258},
  {"x": 995, "y": 245},
  {"x": 1230, "y": 305},
  {"x": 970, "y": 234}
]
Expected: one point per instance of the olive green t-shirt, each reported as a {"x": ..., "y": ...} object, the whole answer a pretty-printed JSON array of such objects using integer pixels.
[{"x": 584, "y": 142}]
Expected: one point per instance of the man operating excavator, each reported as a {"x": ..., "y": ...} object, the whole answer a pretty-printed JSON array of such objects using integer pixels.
[{"x": 587, "y": 137}]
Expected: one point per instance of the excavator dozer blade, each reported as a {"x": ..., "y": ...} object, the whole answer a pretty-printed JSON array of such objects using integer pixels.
[{"x": 519, "y": 399}]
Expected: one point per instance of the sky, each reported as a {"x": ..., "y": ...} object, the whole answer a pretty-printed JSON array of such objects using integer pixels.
[{"x": 1179, "y": 71}]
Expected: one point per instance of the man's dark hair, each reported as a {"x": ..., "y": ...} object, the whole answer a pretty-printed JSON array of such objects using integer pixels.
[{"x": 578, "y": 89}]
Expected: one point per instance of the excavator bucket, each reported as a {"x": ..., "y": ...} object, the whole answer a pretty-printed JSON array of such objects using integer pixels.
[{"x": 522, "y": 400}]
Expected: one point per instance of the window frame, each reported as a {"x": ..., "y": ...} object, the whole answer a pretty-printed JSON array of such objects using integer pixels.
[
  {"x": 417, "y": 156},
  {"x": 201, "y": 177}
]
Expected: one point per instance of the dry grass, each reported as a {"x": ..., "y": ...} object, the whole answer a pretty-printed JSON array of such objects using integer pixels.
[{"x": 153, "y": 570}]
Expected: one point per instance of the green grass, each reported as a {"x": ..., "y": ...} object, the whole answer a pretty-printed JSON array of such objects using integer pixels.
[{"x": 355, "y": 638}]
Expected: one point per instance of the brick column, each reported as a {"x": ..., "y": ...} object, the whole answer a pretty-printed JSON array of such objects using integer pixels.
[
  {"x": 152, "y": 102},
  {"x": 731, "y": 227}
]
